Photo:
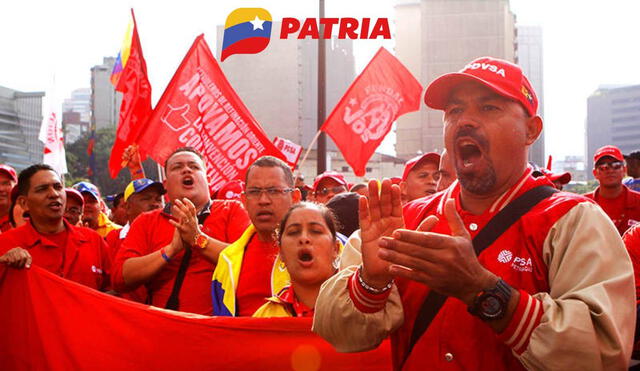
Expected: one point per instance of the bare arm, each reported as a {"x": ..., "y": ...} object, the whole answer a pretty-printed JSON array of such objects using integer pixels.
[{"x": 139, "y": 270}]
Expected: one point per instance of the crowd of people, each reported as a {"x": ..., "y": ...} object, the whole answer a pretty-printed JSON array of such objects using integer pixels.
[{"x": 471, "y": 257}]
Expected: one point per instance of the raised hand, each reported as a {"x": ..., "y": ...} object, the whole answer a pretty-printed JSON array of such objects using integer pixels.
[
  {"x": 16, "y": 258},
  {"x": 447, "y": 264},
  {"x": 380, "y": 215},
  {"x": 186, "y": 220}
]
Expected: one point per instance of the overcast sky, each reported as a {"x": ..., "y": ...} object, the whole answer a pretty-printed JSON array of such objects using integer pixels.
[{"x": 586, "y": 44}]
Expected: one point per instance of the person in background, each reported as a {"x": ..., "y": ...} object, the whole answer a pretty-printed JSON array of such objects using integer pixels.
[
  {"x": 621, "y": 204},
  {"x": 118, "y": 212},
  {"x": 76, "y": 253},
  {"x": 345, "y": 209},
  {"x": 8, "y": 180},
  {"x": 310, "y": 251},
  {"x": 17, "y": 215},
  {"x": 140, "y": 196},
  {"x": 327, "y": 185},
  {"x": 420, "y": 176},
  {"x": 446, "y": 171},
  {"x": 93, "y": 215},
  {"x": 633, "y": 171},
  {"x": 74, "y": 206},
  {"x": 559, "y": 180},
  {"x": 300, "y": 184},
  {"x": 360, "y": 188}
]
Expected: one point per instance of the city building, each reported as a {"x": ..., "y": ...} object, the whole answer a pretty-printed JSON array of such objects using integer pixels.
[
  {"x": 279, "y": 84},
  {"x": 529, "y": 58},
  {"x": 20, "y": 121},
  {"x": 434, "y": 37},
  {"x": 613, "y": 117},
  {"x": 105, "y": 101},
  {"x": 76, "y": 114}
]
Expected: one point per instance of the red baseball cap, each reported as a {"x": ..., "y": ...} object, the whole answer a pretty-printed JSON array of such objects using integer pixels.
[
  {"x": 505, "y": 78},
  {"x": 611, "y": 151},
  {"x": 72, "y": 193},
  {"x": 329, "y": 174},
  {"x": 409, "y": 165},
  {"x": 11, "y": 172}
]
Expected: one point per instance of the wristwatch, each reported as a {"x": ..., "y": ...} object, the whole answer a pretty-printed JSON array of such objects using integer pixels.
[
  {"x": 491, "y": 304},
  {"x": 201, "y": 241}
]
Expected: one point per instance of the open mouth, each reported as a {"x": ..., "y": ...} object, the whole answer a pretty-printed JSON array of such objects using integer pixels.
[
  {"x": 468, "y": 152},
  {"x": 188, "y": 181},
  {"x": 55, "y": 205},
  {"x": 305, "y": 257}
]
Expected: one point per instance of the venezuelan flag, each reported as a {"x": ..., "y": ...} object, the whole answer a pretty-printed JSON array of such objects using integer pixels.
[
  {"x": 123, "y": 55},
  {"x": 246, "y": 31}
]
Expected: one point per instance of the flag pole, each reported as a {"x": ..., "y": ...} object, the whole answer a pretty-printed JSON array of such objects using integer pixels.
[
  {"x": 304, "y": 158},
  {"x": 322, "y": 139}
]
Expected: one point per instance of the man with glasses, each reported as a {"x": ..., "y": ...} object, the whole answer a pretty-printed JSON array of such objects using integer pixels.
[
  {"x": 173, "y": 251},
  {"x": 621, "y": 204},
  {"x": 250, "y": 272},
  {"x": 327, "y": 185}
]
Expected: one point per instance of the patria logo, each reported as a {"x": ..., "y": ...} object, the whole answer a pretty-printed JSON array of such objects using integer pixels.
[{"x": 248, "y": 30}]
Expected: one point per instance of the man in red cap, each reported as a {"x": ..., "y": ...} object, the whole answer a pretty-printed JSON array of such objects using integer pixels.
[
  {"x": 327, "y": 185},
  {"x": 74, "y": 207},
  {"x": 620, "y": 203},
  {"x": 498, "y": 272},
  {"x": 8, "y": 179},
  {"x": 420, "y": 176}
]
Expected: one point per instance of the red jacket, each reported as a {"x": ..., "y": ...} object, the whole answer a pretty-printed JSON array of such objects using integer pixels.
[
  {"x": 631, "y": 209},
  {"x": 85, "y": 258},
  {"x": 151, "y": 231},
  {"x": 516, "y": 257}
]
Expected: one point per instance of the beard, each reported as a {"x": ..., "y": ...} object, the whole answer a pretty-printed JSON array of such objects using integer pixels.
[{"x": 479, "y": 184}]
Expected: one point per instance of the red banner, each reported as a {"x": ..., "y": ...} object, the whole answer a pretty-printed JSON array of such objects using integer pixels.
[
  {"x": 384, "y": 91},
  {"x": 200, "y": 109},
  {"x": 50, "y": 323},
  {"x": 136, "y": 103}
]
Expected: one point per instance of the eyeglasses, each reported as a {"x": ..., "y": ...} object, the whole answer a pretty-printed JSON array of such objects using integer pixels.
[
  {"x": 325, "y": 191},
  {"x": 255, "y": 193},
  {"x": 610, "y": 165}
]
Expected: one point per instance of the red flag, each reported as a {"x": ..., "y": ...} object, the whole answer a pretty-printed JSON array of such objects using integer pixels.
[
  {"x": 289, "y": 149},
  {"x": 136, "y": 102},
  {"x": 384, "y": 91},
  {"x": 200, "y": 109},
  {"x": 49, "y": 323}
]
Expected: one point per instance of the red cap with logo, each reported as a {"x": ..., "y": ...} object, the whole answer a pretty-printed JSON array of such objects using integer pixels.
[
  {"x": 505, "y": 78},
  {"x": 9, "y": 171},
  {"x": 562, "y": 178},
  {"x": 329, "y": 174},
  {"x": 610, "y": 151},
  {"x": 409, "y": 165}
]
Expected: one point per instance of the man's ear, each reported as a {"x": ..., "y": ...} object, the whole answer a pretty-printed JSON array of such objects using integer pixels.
[
  {"x": 22, "y": 201},
  {"x": 534, "y": 128}
]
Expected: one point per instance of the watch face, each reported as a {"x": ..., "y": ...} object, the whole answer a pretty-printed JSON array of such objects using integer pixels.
[{"x": 491, "y": 306}]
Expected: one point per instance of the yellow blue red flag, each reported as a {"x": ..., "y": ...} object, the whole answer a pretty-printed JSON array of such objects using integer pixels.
[{"x": 246, "y": 31}]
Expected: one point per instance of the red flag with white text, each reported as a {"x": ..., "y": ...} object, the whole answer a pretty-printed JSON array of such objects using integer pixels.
[
  {"x": 383, "y": 91},
  {"x": 200, "y": 109},
  {"x": 136, "y": 102}
]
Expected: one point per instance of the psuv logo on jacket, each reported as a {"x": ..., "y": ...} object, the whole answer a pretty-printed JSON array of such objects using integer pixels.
[{"x": 521, "y": 264}]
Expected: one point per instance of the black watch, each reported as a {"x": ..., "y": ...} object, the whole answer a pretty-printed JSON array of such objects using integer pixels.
[{"x": 491, "y": 304}]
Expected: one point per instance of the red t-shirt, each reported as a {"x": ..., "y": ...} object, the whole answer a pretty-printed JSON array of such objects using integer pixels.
[
  {"x": 254, "y": 283},
  {"x": 151, "y": 231},
  {"x": 78, "y": 254},
  {"x": 624, "y": 210},
  {"x": 5, "y": 225},
  {"x": 632, "y": 241}
]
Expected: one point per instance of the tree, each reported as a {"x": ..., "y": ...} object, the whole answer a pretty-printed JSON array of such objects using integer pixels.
[{"x": 78, "y": 163}]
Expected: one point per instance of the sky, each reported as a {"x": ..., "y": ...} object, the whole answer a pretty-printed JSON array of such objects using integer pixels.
[{"x": 51, "y": 45}]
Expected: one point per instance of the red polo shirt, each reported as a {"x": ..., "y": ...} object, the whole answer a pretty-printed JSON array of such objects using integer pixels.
[
  {"x": 299, "y": 309},
  {"x": 5, "y": 225},
  {"x": 254, "y": 282},
  {"x": 624, "y": 210},
  {"x": 152, "y": 231},
  {"x": 78, "y": 254}
]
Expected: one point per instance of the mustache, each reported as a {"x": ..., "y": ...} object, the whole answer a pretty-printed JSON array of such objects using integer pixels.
[{"x": 466, "y": 131}]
